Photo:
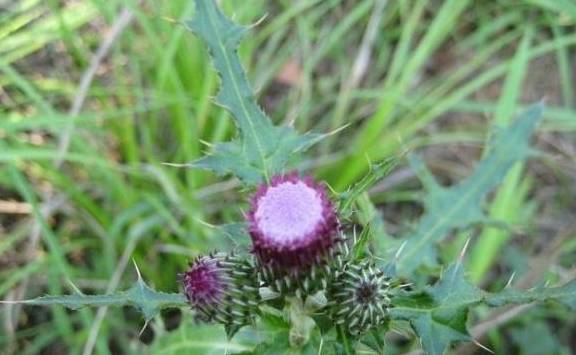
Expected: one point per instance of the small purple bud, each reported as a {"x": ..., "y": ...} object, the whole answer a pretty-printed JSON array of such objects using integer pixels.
[
  {"x": 292, "y": 223},
  {"x": 203, "y": 282},
  {"x": 222, "y": 288}
]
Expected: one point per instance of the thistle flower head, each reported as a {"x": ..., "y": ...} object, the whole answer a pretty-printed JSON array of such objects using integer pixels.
[
  {"x": 360, "y": 297},
  {"x": 204, "y": 282},
  {"x": 222, "y": 288},
  {"x": 292, "y": 222}
]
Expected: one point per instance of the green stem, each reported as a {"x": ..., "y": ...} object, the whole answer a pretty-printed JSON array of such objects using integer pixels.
[{"x": 343, "y": 337}]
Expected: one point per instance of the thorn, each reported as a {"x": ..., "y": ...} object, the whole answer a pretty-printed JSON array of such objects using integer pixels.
[
  {"x": 397, "y": 255},
  {"x": 170, "y": 19},
  {"x": 332, "y": 190},
  {"x": 176, "y": 165},
  {"x": 215, "y": 101},
  {"x": 206, "y": 143},
  {"x": 510, "y": 280},
  {"x": 464, "y": 249},
  {"x": 338, "y": 130},
  {"x": 204, "y": 223},
  {"x": 74, "y": 287},
  {"x": 258, "y": 22},
  {"x": 12, "y": 302},
  {"x": 143, "y": 328},
  {"x": 256, "y": 91},
  {"x": 368, "y": 160},
  {"x": 137, "y": 270},
  {"x": 403, "y": 286},
  {"x": 482, "y": 346},
  {"x": 244, "y": 213},
  {"x": 401, "y": 332}
]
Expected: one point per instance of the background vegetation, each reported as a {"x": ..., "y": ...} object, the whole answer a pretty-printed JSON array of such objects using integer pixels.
[{"x": 97, "y": 94}]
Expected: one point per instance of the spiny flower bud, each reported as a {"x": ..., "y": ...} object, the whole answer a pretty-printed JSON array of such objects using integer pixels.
[
  {"x": 360, "y": 297},
  {"x": 293, "y": 225},
  {"x": 221, "y": 288}
]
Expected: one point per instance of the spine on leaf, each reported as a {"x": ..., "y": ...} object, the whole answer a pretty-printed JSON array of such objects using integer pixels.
[{"x": 261, "y": 150}]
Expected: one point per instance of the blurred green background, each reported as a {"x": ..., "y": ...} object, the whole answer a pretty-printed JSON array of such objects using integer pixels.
[{"x": 95, "y": 95}]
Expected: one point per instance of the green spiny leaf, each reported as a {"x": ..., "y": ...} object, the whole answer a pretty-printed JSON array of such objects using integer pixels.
[
  {"x": 564, "y": 294},
  {"x": 376, "y": 173},
  {"x": 453, "y": 290},
  {"x": 262, "y": 149},
  {"x": 440, "y": 313},
  {"x": 460, "y": 205},
  {"x": 140, "y": 295}
]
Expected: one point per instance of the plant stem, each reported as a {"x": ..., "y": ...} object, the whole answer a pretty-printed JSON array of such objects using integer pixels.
[{"x": 343, "y": 337}]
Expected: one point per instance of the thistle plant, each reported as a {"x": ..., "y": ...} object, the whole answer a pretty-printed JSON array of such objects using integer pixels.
[{"x": 309, "y": 277}]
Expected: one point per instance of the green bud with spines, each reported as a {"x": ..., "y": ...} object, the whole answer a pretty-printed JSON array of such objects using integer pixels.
[{"x": 360, "y": 297}]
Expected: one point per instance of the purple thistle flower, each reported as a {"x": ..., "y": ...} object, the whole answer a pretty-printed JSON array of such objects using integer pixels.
[
  {"x": 204, "y": 282},
  {"x": 222, "y": 288},
  {"x": 292, "y": 223}
]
